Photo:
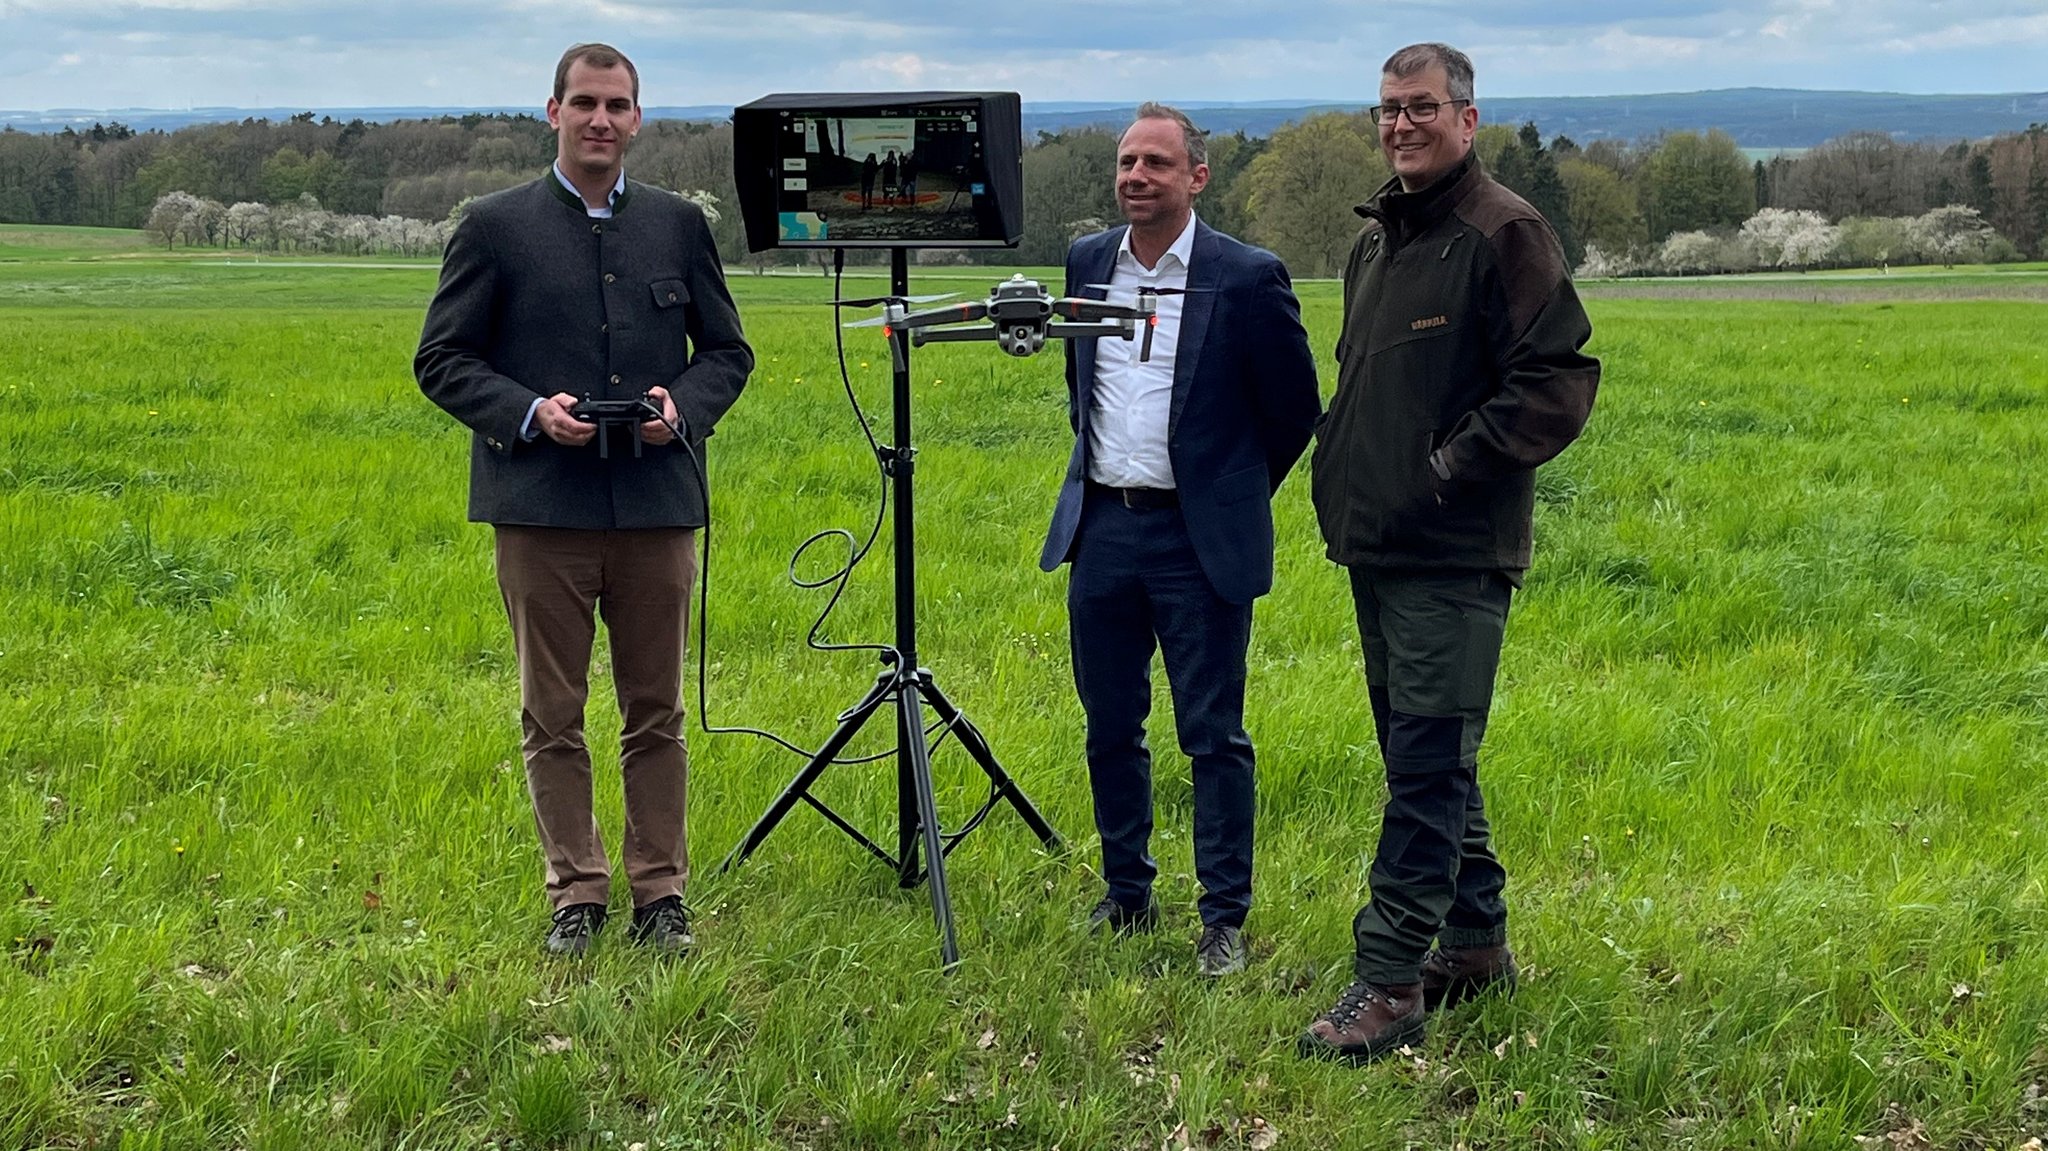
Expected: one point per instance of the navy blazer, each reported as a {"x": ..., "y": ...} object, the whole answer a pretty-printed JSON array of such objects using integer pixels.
[{"x": 1244, "y": 404}]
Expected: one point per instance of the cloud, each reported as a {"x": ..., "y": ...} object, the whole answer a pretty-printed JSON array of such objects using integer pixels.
[
  {"x": 335, "y": 54},
  {"x": 1618, "y": 44},
  {"x": 1977, "y": 34}
]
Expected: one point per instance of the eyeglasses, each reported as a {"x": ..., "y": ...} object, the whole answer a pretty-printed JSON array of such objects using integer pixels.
[{"x": 1420, "y": 112}]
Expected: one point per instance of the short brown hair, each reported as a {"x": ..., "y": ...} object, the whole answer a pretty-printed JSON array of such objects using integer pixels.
[
  {"x": 1415, "y": 57},
  {"x": 1198, "y": 146},
  {"x": 597, "y": 56}
]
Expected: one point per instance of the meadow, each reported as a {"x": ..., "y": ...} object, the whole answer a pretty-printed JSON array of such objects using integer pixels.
[{"x": 1767, "y": 764}]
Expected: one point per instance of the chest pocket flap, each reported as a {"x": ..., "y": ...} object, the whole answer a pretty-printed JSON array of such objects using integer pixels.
[{"x": 670, "y": 293}]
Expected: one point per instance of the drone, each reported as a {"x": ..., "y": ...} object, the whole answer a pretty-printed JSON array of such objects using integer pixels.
[{"x": 1020, "y": 316}]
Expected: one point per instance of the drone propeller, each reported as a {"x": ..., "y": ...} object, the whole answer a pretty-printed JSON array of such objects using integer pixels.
[
  {"x": 871, "y": 301},
  {"x": 1142, "y": 290}
]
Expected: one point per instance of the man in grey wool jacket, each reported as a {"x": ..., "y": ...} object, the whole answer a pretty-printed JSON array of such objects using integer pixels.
[{"x": 583, "y": 283}]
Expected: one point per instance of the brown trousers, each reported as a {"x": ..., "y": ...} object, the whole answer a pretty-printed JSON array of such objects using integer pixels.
[{"x": 555, "y": 582}]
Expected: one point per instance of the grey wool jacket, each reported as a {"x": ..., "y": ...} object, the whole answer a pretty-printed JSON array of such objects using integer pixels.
[{"x": 535, "y": 298}]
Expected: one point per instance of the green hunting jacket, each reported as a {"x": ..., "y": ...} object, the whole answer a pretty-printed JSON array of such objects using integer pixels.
[{"x": 1459, "y": 371}]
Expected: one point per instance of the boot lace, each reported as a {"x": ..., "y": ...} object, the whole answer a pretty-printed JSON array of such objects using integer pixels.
[
  {"x": 665, "y": 917},
  {"x": 576, "y": 921},
  {"x": 1351, "y": 1002},
  {"x": 1214, "y": 943}
]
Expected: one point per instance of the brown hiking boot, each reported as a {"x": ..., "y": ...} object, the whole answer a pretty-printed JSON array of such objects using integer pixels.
[
  {"x": 1368, "y": 1022},
  {"x": 1451, "y": 975}
]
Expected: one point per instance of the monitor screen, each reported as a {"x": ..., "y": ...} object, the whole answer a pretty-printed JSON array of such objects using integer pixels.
[{"x": 921, "y": 173}]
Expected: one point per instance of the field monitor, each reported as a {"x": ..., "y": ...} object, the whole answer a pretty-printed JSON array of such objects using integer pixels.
[{"x": 881, "y": 170}]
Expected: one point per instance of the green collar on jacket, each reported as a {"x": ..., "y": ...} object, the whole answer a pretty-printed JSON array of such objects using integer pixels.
[{"x": 573, "y": 200}]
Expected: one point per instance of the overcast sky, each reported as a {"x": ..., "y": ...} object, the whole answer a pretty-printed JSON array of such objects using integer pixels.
[{"x": 101, "y": 54}]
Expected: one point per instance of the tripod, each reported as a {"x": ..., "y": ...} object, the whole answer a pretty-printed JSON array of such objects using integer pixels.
[{"x": 911, "y": 688}]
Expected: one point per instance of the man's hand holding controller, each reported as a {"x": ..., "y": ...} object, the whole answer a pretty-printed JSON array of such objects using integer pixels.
[{"x": 573, "y": 422}]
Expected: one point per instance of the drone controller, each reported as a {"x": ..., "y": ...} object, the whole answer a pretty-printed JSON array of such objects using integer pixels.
[{"x": 608, "y": 414}]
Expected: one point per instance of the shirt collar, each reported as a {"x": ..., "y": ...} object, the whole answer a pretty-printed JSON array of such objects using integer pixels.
[
  {"x": 618, "y": 189},
  {"x": 1182, "y": 248}
]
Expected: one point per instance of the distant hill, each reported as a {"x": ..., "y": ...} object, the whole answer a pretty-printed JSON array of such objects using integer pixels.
[
  {"x": 1758, "y": 118},
  {"x": 1762, "y": 118}
]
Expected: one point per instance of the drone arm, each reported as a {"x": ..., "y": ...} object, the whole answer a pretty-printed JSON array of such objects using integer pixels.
[
  {"x": 922, "y": 336},
  {"x": 954, "y": 314},
  {"x": 1068, "y": 330},
  {"x": 1092, "y": 311}
]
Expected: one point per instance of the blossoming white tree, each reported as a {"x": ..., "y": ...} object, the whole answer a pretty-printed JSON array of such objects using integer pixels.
[{"x": 1786, "y": 238}]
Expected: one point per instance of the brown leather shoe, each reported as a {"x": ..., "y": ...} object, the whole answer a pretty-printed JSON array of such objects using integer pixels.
[
  {"x": 1451, "y": 975},
  {"x": 1367, "y": 1023}
]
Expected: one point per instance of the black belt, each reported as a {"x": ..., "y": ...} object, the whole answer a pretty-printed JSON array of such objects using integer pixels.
[{"x": 1137, "y": 497}]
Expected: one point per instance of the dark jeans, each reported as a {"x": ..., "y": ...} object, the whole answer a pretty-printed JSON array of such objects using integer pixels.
[
  {"x": 1137, "y": 584},
  {"x": 1432, "y": 644}
]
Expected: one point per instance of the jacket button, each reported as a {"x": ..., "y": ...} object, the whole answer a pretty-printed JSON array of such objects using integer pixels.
[
  {"x": 597, "y": 227},
  {"x": 615, "y": 379},
  {"x": 495, "y": 445},
  {"x": 671, "y": 297},
  {"x": 608, "y": 277},
  {"x": 604, "y": 327}
]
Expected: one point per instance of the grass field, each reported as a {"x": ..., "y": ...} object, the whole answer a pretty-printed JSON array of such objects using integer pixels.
[{"x": 1767, "y": 762}]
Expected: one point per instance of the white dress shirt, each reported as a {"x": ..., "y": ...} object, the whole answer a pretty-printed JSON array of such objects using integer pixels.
[{"x": 1132, "y": 401}]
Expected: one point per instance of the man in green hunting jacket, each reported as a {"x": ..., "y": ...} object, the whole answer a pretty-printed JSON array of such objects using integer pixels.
[{"x": 1459, "y": 372}]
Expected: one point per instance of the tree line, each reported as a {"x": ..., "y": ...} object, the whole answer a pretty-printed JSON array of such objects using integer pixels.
[{"x": 1678, "y": 201}]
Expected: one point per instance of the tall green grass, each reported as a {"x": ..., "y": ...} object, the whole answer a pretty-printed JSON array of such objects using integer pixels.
[{"x": 1767, "y": 763}]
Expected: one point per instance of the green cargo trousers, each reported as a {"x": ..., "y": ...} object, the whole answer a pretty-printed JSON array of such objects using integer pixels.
[{"x": 1432, "y": 643}]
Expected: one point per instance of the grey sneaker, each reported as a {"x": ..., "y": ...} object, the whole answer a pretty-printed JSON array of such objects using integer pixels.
[
  {"x": 1221, "y": 951},
  {"x": 664, "y": 925},
  {"x": 573, "y": 929},
  {"x": 1109, "y": 915}
]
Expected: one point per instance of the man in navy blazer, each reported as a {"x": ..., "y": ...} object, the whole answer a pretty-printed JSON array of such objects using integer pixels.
[{"x": 1166, "y": 516}]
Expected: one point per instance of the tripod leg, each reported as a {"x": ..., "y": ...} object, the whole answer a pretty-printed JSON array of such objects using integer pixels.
[
  {"x": 970, "y": 738},
  {"x": 849, "y": 725},
  {"x": 916, "y": 758},
  {"x": 909, "y": 811}
]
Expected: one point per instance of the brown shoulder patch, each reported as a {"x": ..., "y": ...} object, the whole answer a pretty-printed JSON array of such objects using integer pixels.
[
  {"x": 1492, "y": 205},
  {"x": 1525, "y": 250}
]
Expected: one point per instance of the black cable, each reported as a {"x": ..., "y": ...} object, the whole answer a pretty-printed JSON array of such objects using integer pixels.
[
  {"x": 841, "y": 577},
  {"x": 856, "y": 552}
]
